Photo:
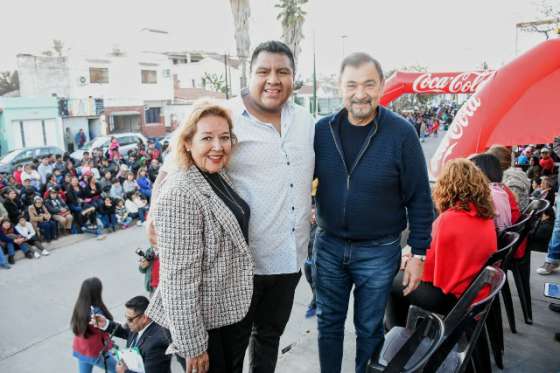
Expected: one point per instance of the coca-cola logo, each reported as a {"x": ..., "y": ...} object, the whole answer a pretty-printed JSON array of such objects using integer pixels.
[
  {"x": 467, "y": 82},
  {"x": 455, "y": 133}
]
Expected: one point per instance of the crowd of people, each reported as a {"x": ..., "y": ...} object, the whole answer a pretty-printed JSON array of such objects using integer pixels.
[
  {"x": 230, "y": 214},
  {"x": 58, "y": 195},
  {"x": 429, "y": 120}
]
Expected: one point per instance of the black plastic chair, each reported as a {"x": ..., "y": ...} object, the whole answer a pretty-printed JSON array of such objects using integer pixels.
[
  {"x": 522, "y": 227},
  {"x": 494, "y": 328},
  {"x": 408, "y": 349},
  {"x": 464, "y": 325},
  {"x": 521, "y": 268}
]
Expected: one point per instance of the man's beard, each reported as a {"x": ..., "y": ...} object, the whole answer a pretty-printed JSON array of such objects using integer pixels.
[{"x": 361, "y": 114}]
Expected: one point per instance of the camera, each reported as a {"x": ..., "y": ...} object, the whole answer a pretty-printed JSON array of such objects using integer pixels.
[{"x": 149, "y": 257}]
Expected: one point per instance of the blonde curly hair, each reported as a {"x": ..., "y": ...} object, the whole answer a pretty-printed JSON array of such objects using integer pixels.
[{"x": 460, "y": 184}]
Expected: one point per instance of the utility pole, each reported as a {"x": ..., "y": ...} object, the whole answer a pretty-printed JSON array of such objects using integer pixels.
[
  {"x": 314, "y": 106},
  {"x": 226, "y": 75}
]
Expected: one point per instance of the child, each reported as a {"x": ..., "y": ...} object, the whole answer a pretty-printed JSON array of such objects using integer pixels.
[
  {"x": 122, "y": 214},
  {"x": 107, "y": 214},
  {"x": 17, "y": 240},
  {"x": 149, "y": 265},
  {"x": 116, "y": 191},
  {"x": 114, "y": 154},
  {"x": 130, "y": 184},
  {"x": 136, "y": 207},
  {"x": 106, "y": 182},
  {"x": 144, "y": 183},
  {"x": 25, "y": 229}
]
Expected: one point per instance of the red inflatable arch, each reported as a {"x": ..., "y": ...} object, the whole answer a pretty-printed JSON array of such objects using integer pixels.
[{"x": 518, "y": 104}]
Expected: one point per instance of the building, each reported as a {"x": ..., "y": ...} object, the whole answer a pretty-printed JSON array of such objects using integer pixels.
[
  {"x": 201, "y": 69},
  {"x": 132, "y": 89},
  {"x": 328, "y": 98},
  {"x": 29, "y": 121}
]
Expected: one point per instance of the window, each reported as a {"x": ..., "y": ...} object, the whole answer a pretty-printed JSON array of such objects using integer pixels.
[
  {"x": 149, "y": 77},
  {"x": 99, "y": 75},
  {"x": 152, "y": 115}
]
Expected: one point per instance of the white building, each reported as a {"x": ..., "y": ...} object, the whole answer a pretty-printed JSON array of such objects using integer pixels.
[{"x": 131, "y": 89}]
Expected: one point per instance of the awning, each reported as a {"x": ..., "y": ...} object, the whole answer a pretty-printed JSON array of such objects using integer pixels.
[{"x": 124, "y": 113}]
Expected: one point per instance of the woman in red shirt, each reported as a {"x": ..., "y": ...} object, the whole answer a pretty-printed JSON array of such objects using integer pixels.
[{"x": 463, "y": 238}]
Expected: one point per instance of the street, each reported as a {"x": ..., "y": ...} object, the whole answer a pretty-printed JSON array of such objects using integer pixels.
[{"x": 38, "y": 297}]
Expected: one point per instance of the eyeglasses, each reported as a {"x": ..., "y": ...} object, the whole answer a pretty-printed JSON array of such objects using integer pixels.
[{"x": 131, "y": 319}]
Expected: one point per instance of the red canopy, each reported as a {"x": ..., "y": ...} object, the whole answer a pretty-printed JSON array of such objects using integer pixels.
[{"x": 518, "y": 104}]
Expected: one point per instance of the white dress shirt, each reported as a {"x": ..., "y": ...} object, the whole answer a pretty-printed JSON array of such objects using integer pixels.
[{"x": 273, "y": 173}]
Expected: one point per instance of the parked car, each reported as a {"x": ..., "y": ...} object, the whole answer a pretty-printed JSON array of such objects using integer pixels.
[
  {"x": 21, "y": 156},
  {"x": 127, "y": 141}
]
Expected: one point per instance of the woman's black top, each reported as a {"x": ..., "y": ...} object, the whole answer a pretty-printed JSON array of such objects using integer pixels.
[{"x": 232, "y": 200}]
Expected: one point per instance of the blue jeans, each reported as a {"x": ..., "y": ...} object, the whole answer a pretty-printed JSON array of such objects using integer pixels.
[
  {"x": 370, "y": 267},
  {"x": 11, "y": 252},
  {"x": 85, "y": 367},
  {"x": 553, "y": 255},
  {"x": 109, "y": 221}
]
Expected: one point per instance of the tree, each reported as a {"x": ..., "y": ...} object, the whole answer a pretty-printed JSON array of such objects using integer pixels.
[
  {"x": 9, "y": 82},
  {"x": 216, "y": 82},
  {"x": 548, "y": 20},
  {"x": 241, "y": 12},
  {"x": 292, "y": 17}
]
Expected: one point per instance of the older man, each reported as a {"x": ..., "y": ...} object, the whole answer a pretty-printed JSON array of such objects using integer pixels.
[
  {"x": 372, "y": 181},
  {"x": 272, "y": 169}
]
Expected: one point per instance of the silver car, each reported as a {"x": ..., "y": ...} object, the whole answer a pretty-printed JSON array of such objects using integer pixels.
[{"x": 127, "y": 141}]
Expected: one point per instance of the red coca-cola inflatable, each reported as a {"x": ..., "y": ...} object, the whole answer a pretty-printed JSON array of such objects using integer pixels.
[{"x": 517, "y": 104}]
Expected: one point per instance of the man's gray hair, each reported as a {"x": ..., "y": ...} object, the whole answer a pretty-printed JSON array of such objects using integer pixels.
[{"x": 358, "y": 59}]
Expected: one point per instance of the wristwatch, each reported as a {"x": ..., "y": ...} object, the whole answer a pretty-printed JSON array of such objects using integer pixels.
[{"x": 421, "y": 257}]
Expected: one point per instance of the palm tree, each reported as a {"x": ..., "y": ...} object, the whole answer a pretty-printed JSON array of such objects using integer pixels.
[
  {"x": 292, "y": 17},
  {"x": 241, "y": 12}
]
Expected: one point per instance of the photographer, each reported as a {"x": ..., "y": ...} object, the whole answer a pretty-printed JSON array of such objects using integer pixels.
[
  {"x": 149, "y": 265},
  {"x": 142, "y": 333}
]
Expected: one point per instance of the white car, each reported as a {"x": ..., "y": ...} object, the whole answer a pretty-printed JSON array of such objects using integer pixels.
[{"x": 127, "y": 141}]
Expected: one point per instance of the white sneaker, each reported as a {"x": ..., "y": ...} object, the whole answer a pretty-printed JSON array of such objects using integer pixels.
[
  {"x": 36, "y": 255},
  {"x": 139, "y": 224},
  {"x": 45, "y": 252},
  {"x": 548, "y": 268},
  {"x": 101, "y": 237}
]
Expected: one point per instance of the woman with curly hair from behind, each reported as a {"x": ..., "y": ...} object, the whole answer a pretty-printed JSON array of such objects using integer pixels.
[{"x": 463, "y": 238}]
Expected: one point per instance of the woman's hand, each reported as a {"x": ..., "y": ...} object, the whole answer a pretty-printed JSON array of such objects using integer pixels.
[
  {"x": 404, "y": 260},
  {"x": 198, "y": 364}
]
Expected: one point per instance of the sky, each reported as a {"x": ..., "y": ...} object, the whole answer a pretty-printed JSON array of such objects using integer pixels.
[{"x": 440, "y": 35}]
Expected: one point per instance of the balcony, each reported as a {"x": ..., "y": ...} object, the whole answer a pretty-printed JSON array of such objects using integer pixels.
[{"x": 80, "y": 107}]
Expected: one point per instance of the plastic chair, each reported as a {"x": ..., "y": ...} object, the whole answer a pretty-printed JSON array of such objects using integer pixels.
[
  {"x": 522, "y": 227},
  {"x": 464, "y": 325},
  {"x": 521, "y": 268},
  {"x": 494, "y": 328},
  {"x": 408, "y": 349}
]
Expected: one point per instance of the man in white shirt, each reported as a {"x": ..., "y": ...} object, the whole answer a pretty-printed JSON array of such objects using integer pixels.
[{"x": 272, "y": 169}]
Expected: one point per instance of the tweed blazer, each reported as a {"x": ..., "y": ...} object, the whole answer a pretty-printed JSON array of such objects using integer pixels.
[{"x": 206, "y": 268}]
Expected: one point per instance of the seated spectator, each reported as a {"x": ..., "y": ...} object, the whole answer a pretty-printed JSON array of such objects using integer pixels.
[
  {"x": 59, "y": 177},
  {"x": 538, "y": 241},
  {"x": 17, "y": 174},
  {"x": 490, "y": 167},
  {"x": 42, "y": 220},
  {"x": 153, "y": 153},
  {"x": 30, "y": 173},
  {"x": 28, "y": 193},
  {"x": 45, "y": 169},
  {"x": 546, "y": 162},
  {"x": 18, "y": 241},
  {"x": 58, "y": 163},
  {"x": 514, "y": 178},
  {"x": 116, "y": 189},
  {"x": 463, "y": 238},
  {"x": 59, "y": 210},
  {"x": 123, "y": 172},
  {"x": 91, "y": 193},
  {"x": 543, "y": 190},
  {"x": 3, "y": 211},
  {"x": 130, "y": 185},
  {"x": 107, "y": 214},
  {"x": 13, "y": 205},
  {"x": 106, "y": 182},
  {"x": 70, "y": 169},
  {"x": 522, "y": 159},
  {"x": 52, "y": 183},
  {"x": 122, "y": 214},
  {"x": 153, "y": 170},
  {"x": 136, "y": 207},
  {"x": 3, "y": 260},
  {"x": 25, "y": 229},
  {"x": 144, "y": 183}
]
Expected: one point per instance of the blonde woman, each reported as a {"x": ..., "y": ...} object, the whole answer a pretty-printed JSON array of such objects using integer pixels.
[{"x": 206, "y": 269}]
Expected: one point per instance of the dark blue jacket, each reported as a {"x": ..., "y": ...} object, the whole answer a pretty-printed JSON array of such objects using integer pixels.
[{"x": 387, "y": 184}]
